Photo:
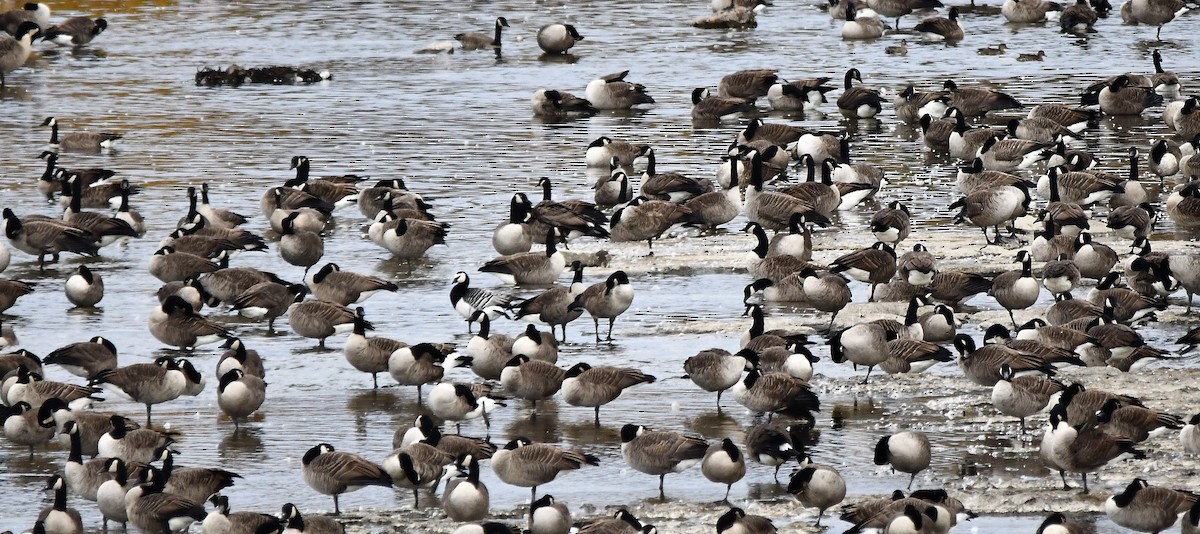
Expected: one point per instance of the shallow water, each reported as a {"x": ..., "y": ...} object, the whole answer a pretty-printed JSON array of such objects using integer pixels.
[{"x": 457, "y": 128}]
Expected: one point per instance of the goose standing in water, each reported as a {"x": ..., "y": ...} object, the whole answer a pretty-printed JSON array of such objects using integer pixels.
[
  {"x": 555, "y": 38},
  {"x": 482, "y": 41},
  {"x": 331, "y": 472},
  {"x": 14, "y": 51},
  {"x": 607, "y": 300}
]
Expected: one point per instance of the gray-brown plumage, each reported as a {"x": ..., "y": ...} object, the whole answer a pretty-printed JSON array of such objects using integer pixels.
[
  {"x": 913, "y": 355},
  {"x": 195, "y": 484},
  {"x": 770, "y": 392},
  {"x": 1145, "y": 508},
  {"x": 1023, "y": 396},
  {"x": 218, "y": 217},
  {"x": 1027, "y": 11},
  {"x": 973, "y": 177},
  {"x": 1132, "y": 222},
  {"x": 584, "y": 385},
  {"x": 319, "y": 319},
  {"x": 553, "y": 307},
  {"x": 197, "y": 225},
  {"x": 175, "y": 323},
  {"x": 154, "y": 511},
  {"x": 613, "y": 92},
  {"x": 607, "y": 300},
  {"x": 647, "y": 220},
  {"x": 1078, "y": 18},
  {"x": 874, "y": 265},
  {"x": 417, "y": 465},
  {"x": 660, "y": 452},
  {"x": 917, "y": 266},
  {"x": 1134, "y": 422},
  {"x": 146, "y": 383},
  {"x": 369, "y": 354},
  {"x": 527, "y": 464},
  {"x": 75, "y": 31},
  {"x": 482, "y": 41},
  {"x": 736, "y": 18},
  {"x": 1122, "y": 97},
  {"x": 552, "y": 104},
  {"x": 856, "y": 101},
  {"x": 717, "y": 369},
  {"x": 331, "y": 472},
  {"x": 267, "y": 300},
  {"x": 300, "y": 247},
  {"x": 1082, "y": 449},
  {"x": 891, "y": 224},
  {"x": 748, "y": 84},
  {"x": 420, "y": 364},
  {"x": 982, "y": 365},
  {"x": 942, "y": 28},
  {"x": 21, "y": 428},
  {"x": 14, "y": 51},
  {"x": 222, "y": 521},
  {"x": 237, "y": 356},
  {"x": 898, "y": 8},
  {"x": 425, "y": 429},
  {"x": 42, "y": 237},
  {"x": 239, "y": 395},
  {"x": 10, "y": 291},
  {"x": 171, "y": 265},
  {"x": 1154, "y": 13},
  {"x": 775, "y": 133},
  {"x": 978, "y": 101},
  {"x": 992, "y": 207},
  {"x": 85, "y": 358},
  {"x": 532, "y": 380},
  {"x": 529, "y": 268},
  {"x": 1082, "y": 403},
  {"x": 672, "y": 186},
  {"x": 79, "y": 141},
  {"x": 708, "y": 107},
  {"x": 724, "y": 463},
  {"x": 334, "y": 285}
]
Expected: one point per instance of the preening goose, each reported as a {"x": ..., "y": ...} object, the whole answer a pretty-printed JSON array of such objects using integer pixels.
[
  {"x": 706, "y": 107},
  {"x": 613, "y": 92},
  {"x": 14, "y": 51},
  {"x": 941, "y": 28},
  {"x": 747, "y": 85},
  {"x": 857, "y": 28}
]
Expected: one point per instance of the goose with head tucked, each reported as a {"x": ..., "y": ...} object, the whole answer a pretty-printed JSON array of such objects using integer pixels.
[{"x": 556, "y": 38}]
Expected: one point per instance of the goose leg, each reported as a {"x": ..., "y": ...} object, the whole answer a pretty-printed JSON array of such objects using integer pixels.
[
  {"x": 1013, "y": 318},
  {"x": 1085, "y": 486},
  {"x": 719, "y": 400},
  {"x": 597, "y": 416},
  {"x": 1063, "y": 474},
  {"x": 728, "y": 487},
  {"x": 147, "y": 416},
  {"x": 661, "y": 494},
  {"x": 868, "y": 377},
  {"x": 596, "y": 321},
  {"x": 336, "y": 509},
  {"x": 375, "y": 379},
  {"x": 910, "y": 480},
  {"x": 611, "y": 320}
]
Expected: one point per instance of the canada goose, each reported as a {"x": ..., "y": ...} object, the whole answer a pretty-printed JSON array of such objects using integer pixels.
[
  {"x": 313, "y": 524},
  {"x": 300, "y": 247},
  {"x": 982, "y": 365},
  {"x": 861, "y": 344},
  {"x": 529, "y": 268},
  {"x": 209, "y": 243},
  {"x": 608, "y": 299},
  {"x": 10, "y": 291},
  {"x": 58, "y": 519},
  {"x": 1165, "y": 156},
  {"x": 532, "y": 380},
  {"x": 874, "y": 265},
  {"x": 554, "y": 39},
  {"x": 1056, "y": 523},
  {"x": 770, "y": 444},
  {"x": 897, "y": 50},
  {"x": 482, "y": 41},
  {"x": 277, "y": 202},
  {"x": 584, "y": 385},
  {"x": 1017, "y": 289},
  {"x": 978, "y": 101},
  {"x": 1026, "y": 11},
  {"x": 221, "y": 521},
  {"x": 139, "y": 445},
  {"x": 79, "y": 141},
  {"x": 714, "y": 208},
  {"x": 613, "y": 190},
  {"x": 1078, "y": 18},
  {"x": 1183, "y": 205},
  {"x": 1120, "y": 97},
  {"x": 217, "y": 217},
  {"x": 717, "y": 369},
  {"x": 551, "y": 104},
  {"x": 555, "y": 306},
  {"x": 239, "y": 357},
  {"x": 672, "y": 186},
  {"x": 826, "y": 292},
  {"x": 29, "y": 12},
  {"x": 858, "y": 102},
  {"x": 941, "y": 28},
  {"x": 1011, "y": 154},
  {"x": 797, "y": 242},
  {"x": 331, "y": 284},
  {"x": 1189, "y": 436},
  {"x": 489, "y": 352},
  {"x": 817, "y": 486},
  {"x": 94, "y": 193},
  {"x": 789, "y": 257},
  {"x": 457, "y": 402},
  {"x": 862, "y": 27},
  {"x": 391, "y": 192},
  {"x": 992, "y": 206},
  {"x": 706, "y": 107},
  {"x": 1023, "y": 396},
  {"x": 1137, "y": 423},
  {"x": 1060, "y": 276},
  {"x": 917, "y": 266},
  {"x": 267, "y": 300},
  {"x": 466, "y": 499},
  {"x": 613, "y": 92},
  {"x": 192, "y": 483},
  {"x": 419, "y": 465},
  {"x": 240, "y": 395},
  {"x": 770, "y": 392},
  {"x": 155, "y": 511},
  {"x": 21, "y": 426},
  {"x": 1145, "y": 508},
  {"x": 964, "y": 142},
  {"x": 913, "y": 356},
  {"x": 90, "y": 425},
  {"x": 758, "y": 338},
  {"x": 171, "y": 265},
  {"x": 1039, "y": 129},
  {"x": 899, "y": 8},
  {"x": 369, "y": 355},
  {"x": 28, "y": 386},
  {"x": 145, "y": 383},
  {"x": 748, "y": 84},
  {"x": 319, "y": 319},
  {"x": 514, "y": 236},
  {"x": 601, "y": 151},
  {"x": 891, "y": 224},
  {"x": 1094, "y": 260},
  {"x": 907, "y": 452},
  {"x": 14, "y": 51},
  {"x": 1189, "y": 341},
  {"x": 42, "y": 237},
  {"x": 333, "y": 472},
  {"x": 424, "y": 429},
  {"x": 935, "y": 133},
  {"x": 1081, "y": 449},
  {"x": 798, "y": 95},
  {"x": 659, "y": 452},
  {"x": 973, "y": 177},
  {"x": 1155, "y": 12},
  {"x": 547, "y": 516},
  {"x": 724, "y": 463},
  {"x": 110, "y": 496},
  {"x": 911, "y": 105},
  {"x": 524, "y": 463},
  {"x": 175, "y": 323},
  {"x": 648, "y": 219},
  {"x": 86, "y": 358},
  {"x": 736, "y": 520},
  {"x": 736, "y": 17},
  {"x": 420, "y": 364}
]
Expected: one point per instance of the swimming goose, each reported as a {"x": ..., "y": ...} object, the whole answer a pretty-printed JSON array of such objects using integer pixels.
[
  {"x": 594, "y": 387},
  {"x": 706, "y": 107},
  {"x": 724, "y": 463},
  {"x": 659, "y": 452},
  {"x": 58, "y": 519},
  {"x": 551, "y": 104},
  {"x": 774, "y": 133},
  {"x": 717, "y": 370},
  {"x": 532, "y": 380},
  {"x": 527, "y": 464},
  {"x": 860, "y": 27},
  {"x": 221, "y": 521},
  {"x": 1145, "y": 508},
  {"x": 217, "y": 217},
  {"x": 978, "y": 101},
  {"x": 420, "y": 364},
  {"x": 332, "y": 284},
  {"x": 313, "y": 524},
  {"x": 79, "y": 141},
  {"x": 14, "y": 51},
  {"x": 451, "y": 401},
  {"x": 1155, "y": 12},
  {"x": 267, "y": 300},
  {"x": 747, "y": 85},
  {"x": 607, "y": 299},
  {"x": 874, "y": 265},
  {"x": 817, "y": 486},
  {"x": 554, "y": 39},
  {"x": 798, "y": 95},
  {"x": 858, "y": 102},
  {"x": 1121, "y": 97},
  {"x": 467, "y": 499},
  {"x": 529, "y": 268},
  {"x": 86, "y": 358},
  {"x": 1134, "y": 422},
  {"x": 935, "y": 133},
  {"x": 941, "y": 28},
  {"x": 982, "y": 365},
  {"x": 175, "y": 323},
  {"x": 907, "y": 452},
  {"x": 481, "y": 41},
  {"x": 1023, "y": 396},
  {"x": 1078, "y": 18},
  {"x": 1026, "y": 11},
  {"x": 319, "y": 319},
  {"x": 21, "y": 426},
  {"x": 899, "y": 8},
  {"x": 331, "y": 472},
  {"x": 240, "y": 395},
  {"x": 911, "y": 105},
  {"x": 300, "y": 247},
  {"x": 42, "y": 237},
  {"x": 613, "y": 92},
  {"x": 75, "y": 31}
]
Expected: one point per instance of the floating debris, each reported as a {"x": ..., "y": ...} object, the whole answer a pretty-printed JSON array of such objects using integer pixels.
[{"x": 275, "y": 75}]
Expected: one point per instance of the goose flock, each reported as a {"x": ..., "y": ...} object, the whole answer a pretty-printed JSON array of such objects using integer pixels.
[{"x": 1063, "y": 293}]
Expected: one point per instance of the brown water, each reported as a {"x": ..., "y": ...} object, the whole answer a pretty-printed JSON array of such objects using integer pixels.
[{"x": 458, "y": 129}]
